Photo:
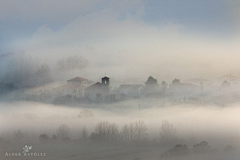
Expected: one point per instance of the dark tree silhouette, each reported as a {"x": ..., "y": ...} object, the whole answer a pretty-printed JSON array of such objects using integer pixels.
[
  {"x": 43, "y": 138},
  {"x": 105, "y": 131},
  {"x": 176, "y": 81}
]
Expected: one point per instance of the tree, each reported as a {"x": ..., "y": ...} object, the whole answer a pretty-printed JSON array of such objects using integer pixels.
[
  {"x": 24, "y": 70},
  {"x": 43, "y": 74},
  {"x": 106, "y": 131},
  {"x": 43, "y": 138},
  {"x": 20, "y": 70},
  {"x": 151, "y": 81},
  {"x": 7, "y": 87},
  {"x": 176, "y": 81},
  {"x": 202, "y": 147},
  {"x": 167, "y": 132},
  {"x": 178, "y": 150},
  {"x": 140, "y": 129},
  {"x": 134, "y": 132},
  {"x": 71, "y": 63},
  {"x": 125, "y": 133},
  {"x": 63, "y": 131},
  {"x": 84, "y": 134},
  {"x": 151, "y": 85},
  {"x": 18, "y": 135},
  {"x": 54, "y": 138}
]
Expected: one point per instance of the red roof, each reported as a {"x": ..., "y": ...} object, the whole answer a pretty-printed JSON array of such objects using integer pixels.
[{"x": 78, "y": 79}]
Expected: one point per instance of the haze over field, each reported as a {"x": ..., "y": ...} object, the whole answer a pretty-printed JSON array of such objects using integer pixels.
[{"x": 193, "y": 124}]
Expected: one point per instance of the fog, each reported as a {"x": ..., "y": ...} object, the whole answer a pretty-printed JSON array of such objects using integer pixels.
[
  {"x": 129, "y": 79},
  {"x": 194, "y": 124},
  {"x": 122, "y": 47}
]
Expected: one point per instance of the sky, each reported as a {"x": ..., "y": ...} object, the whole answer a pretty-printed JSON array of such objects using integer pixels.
[{"x": 164, "y": 38}]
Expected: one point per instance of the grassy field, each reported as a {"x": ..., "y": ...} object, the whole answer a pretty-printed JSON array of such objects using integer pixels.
[{"x": 105, "y": 152}]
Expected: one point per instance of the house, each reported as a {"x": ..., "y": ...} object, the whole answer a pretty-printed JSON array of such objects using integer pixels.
[
  {"x": 183, "y": 89},
  {"x": 234, "y": 80},
  {"x": 133, "y": 90},
  {"x": 69, "y": 89},
  {"x": 78, "y": 81},
  {"x": 98, "y": 91}
]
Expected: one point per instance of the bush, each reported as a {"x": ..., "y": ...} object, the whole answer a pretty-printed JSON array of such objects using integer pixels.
[
  {"x": 178, "y": 150},
  {"x": 202, "y": 147},
  {"x": 66, "y": 140},
  {"x": 54, "y": 138},
  {"x": 43, "y": 138}
]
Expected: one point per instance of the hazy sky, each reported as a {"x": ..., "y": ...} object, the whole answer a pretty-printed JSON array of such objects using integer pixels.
[{"x": 164, "y": 38}]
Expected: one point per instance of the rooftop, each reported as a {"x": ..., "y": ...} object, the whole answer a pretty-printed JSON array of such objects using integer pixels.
[{"x": 78, "y": 79}]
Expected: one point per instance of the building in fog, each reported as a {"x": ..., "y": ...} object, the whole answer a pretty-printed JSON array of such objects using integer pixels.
[
  {"x": 98, "y": 91},
  {"x": 131, "y": 90},
  {"x": 69, "y": 89},
  {"x": 78, "y": 81},
  {"x": 233, "y": 80},
  {"x": 184, "y": 89},
  {"x": 74, "y": 87}
]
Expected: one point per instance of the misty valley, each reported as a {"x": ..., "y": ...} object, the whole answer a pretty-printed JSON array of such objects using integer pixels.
[
  {"x": 119, "y": 80},
  {"x": 83, "y": 119}
]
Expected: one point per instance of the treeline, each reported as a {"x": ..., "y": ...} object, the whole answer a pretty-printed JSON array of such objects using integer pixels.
[
  {"x": 23, "y": 70},
  {"x": 105, "y": 132},
  {"x": 6, "y": 88},
  {"x": 200, "y": 148}
]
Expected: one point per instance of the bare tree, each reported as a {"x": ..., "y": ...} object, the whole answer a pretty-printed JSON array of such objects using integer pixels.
[
  {"x": 106, "y": 131},
  {"x": 43, "y": 74},
  {"x": 25, "y": 70},
  {"x": 113, "y": 132},
  {"x": 125, "y": 133},
  {"x": 134, "y": 131},
  {"x": 18, "y": 135},
  {"x": 71, "y": 63},
  {"x": 168, "y": 132},
  {"x": 141, "y": 130},
  {"x": 20, "y": 70},
  {"x": 63, "y": 131}
]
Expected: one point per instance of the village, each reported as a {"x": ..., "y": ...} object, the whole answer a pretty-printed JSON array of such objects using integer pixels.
[{"x": 222, "y": 91}]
